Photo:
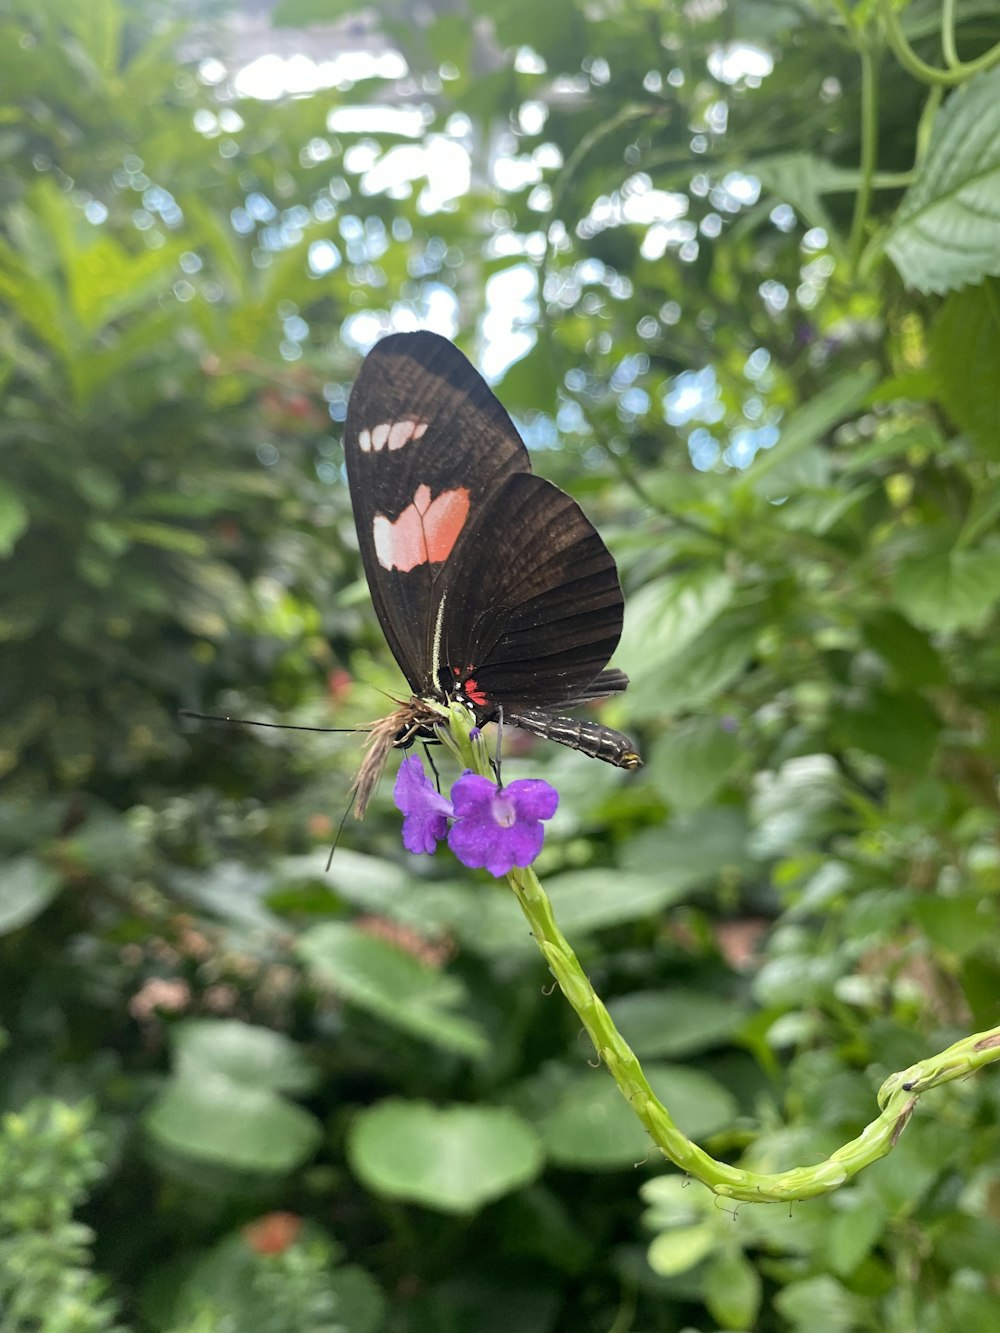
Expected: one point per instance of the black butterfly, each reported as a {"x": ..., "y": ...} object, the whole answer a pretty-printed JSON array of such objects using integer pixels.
[{"x": 491, "y": 586}]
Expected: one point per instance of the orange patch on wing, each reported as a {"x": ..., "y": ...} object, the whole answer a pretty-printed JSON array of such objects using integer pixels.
[{"x": 425, "y": 532}]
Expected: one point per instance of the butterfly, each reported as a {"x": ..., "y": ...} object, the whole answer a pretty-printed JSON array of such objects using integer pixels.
[{"x": 491, "y": 586}]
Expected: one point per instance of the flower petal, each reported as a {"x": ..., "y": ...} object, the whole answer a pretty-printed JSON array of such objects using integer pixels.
[
  {"x": 498, "y": 827},
  {"x": 426, "y": 811},
  {"x": 470, "y": 841},
  {"x": 533, "y": 798},
  {"x": 523, "y": 843},
  {"x": 471, "y": 794}
]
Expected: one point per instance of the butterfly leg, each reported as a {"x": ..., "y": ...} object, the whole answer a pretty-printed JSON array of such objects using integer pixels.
[
  {"x": 495, "y": 759},
  {"x": 433, "y": 766}
]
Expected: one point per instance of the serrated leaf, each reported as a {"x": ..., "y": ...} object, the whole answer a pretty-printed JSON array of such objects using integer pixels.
[
  {"x": 453, "y": 1158},
  {"x": 947, "y": 231},
  {"x": 393, "y": 985}
]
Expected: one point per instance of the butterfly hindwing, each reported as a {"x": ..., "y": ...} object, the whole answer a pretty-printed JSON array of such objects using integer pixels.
[
  {"x": 489, "y": 582},
  {"x": 538, "y": 606}
]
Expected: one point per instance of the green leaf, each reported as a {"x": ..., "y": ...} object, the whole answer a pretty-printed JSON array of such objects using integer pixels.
[
  {"x": 585, "y": 1122},
  {"x": 230, "y": 891},
  {"x": 675, "y": 1021},
  {"x": 681, "y": 1248},
  {"x": 164, "y": 536},
  {"x": 794, "y": 804},
  {"x": 899, "y": 726},
  {"x": 393, "y": 985},
  {"x": 958, "y": 923},
  {"x": 908, "y": 651},
  {"x": 667, "y": 615},
  {"x": 691, "y": 762},
  {"x": 693, "y": 848},
  {"x": 949, "y": 590},
  {"x": 733, "y": 1290},
  {"x": 807, "y": 426},
  {"x": 965, "y": 352},
  {"x": 360, "y": 1304},
  {"x": 26, "y": 888},
  {"x": 697, "y": 674},
  {"x": 819, "y": 1305},
  {"x": 454, "y": 1158},
  {"x": 585, "y": 900},
  {"x": 213, "y": 1118},
  {"x": 947, "y": 230},
  {"x": 860, "y": 1220},
  {"x": 801, "y": 179},
  {"x": 13, "y": 518},
  {"x": 253, "y": 1056}
]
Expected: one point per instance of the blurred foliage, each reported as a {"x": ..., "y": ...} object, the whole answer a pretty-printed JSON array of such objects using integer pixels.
[{"x": 747, "y": 263}]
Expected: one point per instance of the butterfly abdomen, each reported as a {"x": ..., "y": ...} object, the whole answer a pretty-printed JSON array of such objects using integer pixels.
[{"x": 590, "y": 738}]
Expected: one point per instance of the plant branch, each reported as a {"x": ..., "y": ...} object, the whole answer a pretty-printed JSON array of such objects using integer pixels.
[
  {"x": 908, "y": 58},
  {"x": 897, "y": 1096}
]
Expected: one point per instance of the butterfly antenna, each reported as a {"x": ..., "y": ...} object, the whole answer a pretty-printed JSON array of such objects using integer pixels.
[
  {"x": 252, "y": 722},
  {"x": 340, "y": 830}
]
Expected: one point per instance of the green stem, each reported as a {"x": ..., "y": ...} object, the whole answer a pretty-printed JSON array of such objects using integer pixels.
[
  {"x": 897, "y": 1096},
  {"x": 908, "y": 58},
  {"x": 869, "y": 150},
  {"x": 948, "y": 48}
]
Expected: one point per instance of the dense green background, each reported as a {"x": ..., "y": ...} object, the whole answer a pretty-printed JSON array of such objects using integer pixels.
[{"x": 797, "y": 895}]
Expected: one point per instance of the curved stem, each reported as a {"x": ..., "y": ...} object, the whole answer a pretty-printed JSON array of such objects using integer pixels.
[
  {"x": 897, "y": 1096},
  {"x": 925, "y": 128},
  {"x": 910, "y": 61},
  {"x": 948, "y": 47}
]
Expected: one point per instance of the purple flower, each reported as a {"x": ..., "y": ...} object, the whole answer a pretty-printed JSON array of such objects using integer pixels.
[
  {"x": 499, "y": 827},
  {"x": 426, "y": 811}
]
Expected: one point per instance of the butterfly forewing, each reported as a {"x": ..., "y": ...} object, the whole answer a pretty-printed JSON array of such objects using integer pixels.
[
  {"x": 490, "y": 583},
  {"x": 426, "y": 445}
]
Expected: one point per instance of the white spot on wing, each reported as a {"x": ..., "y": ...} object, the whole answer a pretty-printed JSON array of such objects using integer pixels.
[
  {"x": 400, "y": 433},
  {"x": 382, "y": 536},
  {"x": 391, "y": 434}
]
